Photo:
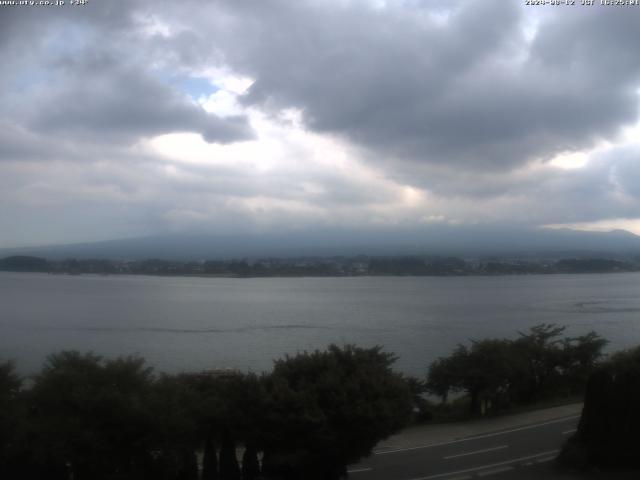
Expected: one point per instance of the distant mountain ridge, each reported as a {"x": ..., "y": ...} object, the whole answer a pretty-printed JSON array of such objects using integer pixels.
[{"x": 449, "y": 240}]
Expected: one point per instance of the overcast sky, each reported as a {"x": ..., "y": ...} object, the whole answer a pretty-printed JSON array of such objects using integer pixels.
[{"x": 122, "y": 119}]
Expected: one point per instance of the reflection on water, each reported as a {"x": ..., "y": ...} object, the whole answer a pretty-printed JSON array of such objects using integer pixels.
[{"x": 194, "y": 323}]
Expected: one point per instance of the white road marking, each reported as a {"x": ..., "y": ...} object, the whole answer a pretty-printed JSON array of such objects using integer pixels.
[
  {"x": 546, "y": 459},
  {"x": 493, "y": 471},
  {"x": 477, "y": 451},
  {"x": 358, "y": 470},
  {"x": 418, "y": 447},
  {"x": 485, "y": 467},
  {"x": 567, "y": 432}
]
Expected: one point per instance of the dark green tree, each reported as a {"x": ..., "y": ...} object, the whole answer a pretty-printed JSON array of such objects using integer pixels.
[
  {"x": 23, "y": 263},
  {"x": 229, "y": 468},
  {"x": 329, "y": 409},
  {"x": 445, "y": 373},
  {"x": 176, "y": 432},
  {"x": 250, "y": 464},
  {"x": 580, "y": 357},
  {"x": 210, "y": 459},
  {"x": 495, "y": 373},
  {"x": 188, "y": 469},
  {"x": 608, "y": 430},
  {"x": 483, "y": 371},
  {"x": 230, "y": 409},
  {"x": 91, "y": 415},
  {"x": 11, "y": 422},
  {"x": 539, "y": 358}
]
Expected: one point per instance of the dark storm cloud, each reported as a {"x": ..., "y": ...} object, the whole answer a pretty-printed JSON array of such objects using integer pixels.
[
  {"x": 88, "y": 82},
  {"x": 470, "y": 92},
  {"x": 456, "y": 84},
  {"x": 463, "y": 100},
  {"x": 104, "y": 99}
]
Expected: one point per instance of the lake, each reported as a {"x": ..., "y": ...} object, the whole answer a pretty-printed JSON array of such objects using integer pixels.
[{"x": 180, "y": 323}]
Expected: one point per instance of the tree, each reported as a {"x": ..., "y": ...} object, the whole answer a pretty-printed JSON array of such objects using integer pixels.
[
  {"x": 539, "y": 357},
  {"x": 483, "y": 371},
  {"x": 229, "y": 468},
  {"x": 496, "y": 372},
  {"x": 250, "y": 464},
  {"x": 210, "y": 459},
  {"x": 176, "y": 432},
  {"x": 608, "y": 430},
  {"x": 11, "y": 420},
  {"x": 188, "y": 468},
  {"x": 580, "y": 357},
  {"x": 229, "y": 409},
  {"x": 421, "y": 406},
  {"x": 330, "y": 408},
  {"x": 445, "y": 374},
  {"x": 92, "y": 415},
  {"x": 23, "y": 263},
  {"x": 488, "y": 374}
]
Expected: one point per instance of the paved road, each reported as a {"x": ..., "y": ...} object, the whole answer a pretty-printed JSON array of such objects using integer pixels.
[{"x": 505, "y": 454}]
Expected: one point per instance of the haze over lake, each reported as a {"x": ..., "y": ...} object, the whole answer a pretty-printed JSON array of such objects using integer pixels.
[{"x": 180, "y": 323}]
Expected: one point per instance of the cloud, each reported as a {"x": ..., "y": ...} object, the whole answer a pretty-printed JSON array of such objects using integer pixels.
[
  {"x": 273, "y": 115},
  {"x": 96, "y": 96},
  {"x": 478, "y": 91},
  {"x": 94, "y": 88}
]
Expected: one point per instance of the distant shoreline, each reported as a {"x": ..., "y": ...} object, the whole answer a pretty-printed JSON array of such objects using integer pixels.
[
  {"x": 355, "y": 266},
  {"x": 248, "y": 277}
]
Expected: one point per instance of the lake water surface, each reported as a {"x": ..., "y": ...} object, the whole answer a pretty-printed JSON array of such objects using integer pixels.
[{"x": 180, "y": 323}]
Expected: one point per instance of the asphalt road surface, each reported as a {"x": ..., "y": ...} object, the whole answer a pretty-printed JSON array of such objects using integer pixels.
[{"x": 507, "y": 454}]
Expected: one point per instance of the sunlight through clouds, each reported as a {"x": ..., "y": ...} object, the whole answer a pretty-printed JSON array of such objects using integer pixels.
[
  {"x": 570, "y": 160},
  {"x": 351, "y": 112}
]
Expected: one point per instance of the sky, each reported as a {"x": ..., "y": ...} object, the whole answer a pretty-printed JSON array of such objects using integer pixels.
[{"x": 126, "y": 119}]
